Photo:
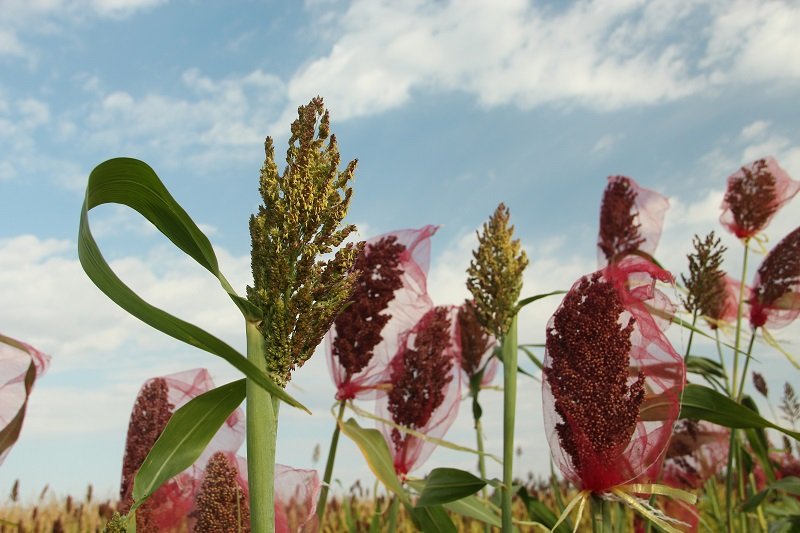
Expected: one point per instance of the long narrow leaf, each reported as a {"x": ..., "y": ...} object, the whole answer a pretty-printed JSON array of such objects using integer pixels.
[
  {"x": 702, "y": 403},
  {"x": 376, "y": 452},
  {"x": 132, "y": 183},
  {"x": 187, "y": 434},
  {"x": 530, "y": 299}
]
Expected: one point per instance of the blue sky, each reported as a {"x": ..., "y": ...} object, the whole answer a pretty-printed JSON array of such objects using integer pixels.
[{"x": 450, "y": 107}]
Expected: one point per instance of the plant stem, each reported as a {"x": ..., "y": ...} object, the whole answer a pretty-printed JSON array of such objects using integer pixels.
[
  {"x": 392, "y": 527},
  {"x": 746, "y": 364},
  {"x": 323, "y": 493},
  {"x": 739, "y": 320},
  {"x": 509, "y": 351},
  {"x": 722, "y": 359},
  {"x": 691, "y": 334},
  {"x": 481, "y": 459},
  {"x": 262, "y": 432},
  {"x": 601, "y": 517}
]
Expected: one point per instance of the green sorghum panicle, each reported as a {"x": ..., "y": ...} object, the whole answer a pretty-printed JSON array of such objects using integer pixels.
[{"x": 300, "y": 220}]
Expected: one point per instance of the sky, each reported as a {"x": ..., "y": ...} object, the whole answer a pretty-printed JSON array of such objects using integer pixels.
[{"x": 450, "y": 107}]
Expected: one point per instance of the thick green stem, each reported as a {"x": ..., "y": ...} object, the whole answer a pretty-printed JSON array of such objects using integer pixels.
[
  {"x": 509, "y": 351},
  {"x": 722, "y": 360},
  {"x": 601, "y": 515},
  {"x": 326, "y": 479},
  {"x": 262, "y": 432}
]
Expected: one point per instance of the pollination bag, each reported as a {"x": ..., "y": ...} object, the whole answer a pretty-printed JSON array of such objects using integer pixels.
[
  {"x": 390, "y": 298},
  {"x": 612, "y": 386}
]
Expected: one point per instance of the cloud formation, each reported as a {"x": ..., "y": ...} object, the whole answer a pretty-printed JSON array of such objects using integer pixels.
[{"x": 601, "y": 54}]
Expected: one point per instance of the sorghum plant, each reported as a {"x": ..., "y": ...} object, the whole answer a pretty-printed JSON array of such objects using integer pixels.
[
  {"x": 775, "y": 300},
  {"x": 631, "y": 218},
  {"x": 478, "y": 365},
  {"x": 425, "y": 389},
  {"x": 495, "y": 281},
  {"x": 754, "y": 194},
  {"x": 389, "y": 297},
  {"x": 221, "y": 502},
  {"x": 607, "y": 360}
]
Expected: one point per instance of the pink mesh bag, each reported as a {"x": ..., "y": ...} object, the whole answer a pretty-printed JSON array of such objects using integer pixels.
[
  {"x": 296, "y": 493},
  {"x": 631, "y": 218},
  {"x": 426, "y": 387},
  {"x": 730, "y": 307},
  {"x": 697, "y": 451},
  {"x": 20, "y": 365},
  {"x": 169, "y": 506},
  {"x": 360, "y": 344},
  {"x": 754, "y": 194},
  {"x": 775, "y": 297},
  {"x": 613, "y": 381}
]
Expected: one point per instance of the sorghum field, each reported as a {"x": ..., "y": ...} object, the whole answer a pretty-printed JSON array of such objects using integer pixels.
[{"x": 643, "y": 437}]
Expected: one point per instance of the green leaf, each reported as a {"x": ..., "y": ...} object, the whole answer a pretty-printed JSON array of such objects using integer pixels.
[
  {"x": 376, "y": 452},
  {"x": 530, "y": 299},
  {"x": 702, "y": 403},
  {"x": 134, "y": 184},
  {"x": 704, "y": 366},
  {"x": 531, "y": 356},
  {"x": 187, "y": 434},
  {"x": 789, "y": 485},
  {"x": 539, "y": 512},
  {"x": 475, "y": 507},
  {"x": 432, "y": 519},
  {"x": 445, "y": 485}
]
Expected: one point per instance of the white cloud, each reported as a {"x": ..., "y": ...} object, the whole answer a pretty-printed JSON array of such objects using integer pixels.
[
  {"x": 599, "y": 54},
  {"x": 25, "y": 17},
  {"x": 754, "y": 41},
  {"x": 219, "y": 118}
]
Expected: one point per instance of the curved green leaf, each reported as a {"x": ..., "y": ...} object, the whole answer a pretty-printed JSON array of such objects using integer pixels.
[
  {"x": 530, "y": 299},
  {"x": 376, "y": 452},
  {"x": 187, "y": 434},
  {"x": 133, "y": 183},
  {"x": 444, "y": 485},
  {"x": 702, "y": 403}
]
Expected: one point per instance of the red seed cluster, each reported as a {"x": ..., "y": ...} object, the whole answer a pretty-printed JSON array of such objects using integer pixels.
[
  {"x": 619, "y": 229},
  {"x": 221, "y": 504},
  {"x": 752, "y": 198},
  {"x": 419, "y": 376},
  {"x": 475, "y": 341},
  {"x": 359, "y": 326},
  {"x": 778, "y": 277},
  {"x": 589, "y": 353},
  {"x": 150, "y": 415}
]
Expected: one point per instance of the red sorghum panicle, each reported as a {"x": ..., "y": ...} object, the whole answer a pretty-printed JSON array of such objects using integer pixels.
[
  {"x": 607, "y": 360},
  {"x": 630, "y": 220},
  {"x": 619, "y": 229},
  {"x": 150, "y": 415},
  {"x": 755, "y": 193},
  {"x": 475, "y": 340},
  {"x": 420, "y": 374},
  {"x": 775, "y": 298},
  {"x": 221, "y": 503},
  {"x": 589, "y": 353},
  {"x": 358, "y": 327}
]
